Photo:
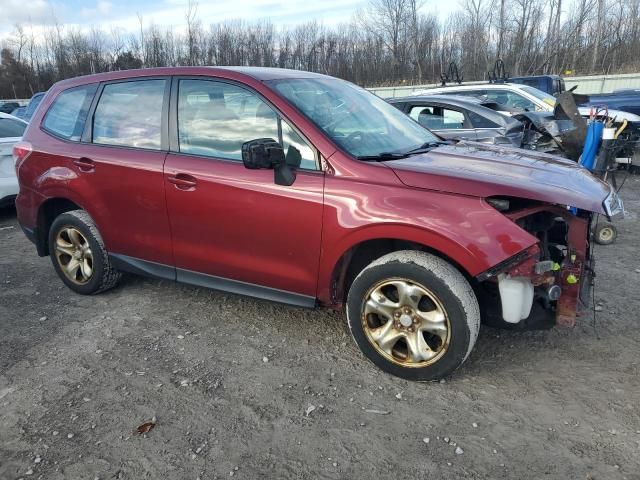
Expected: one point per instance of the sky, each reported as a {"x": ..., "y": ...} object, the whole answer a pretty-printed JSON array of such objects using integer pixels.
[{"x": 123, "y": 14}]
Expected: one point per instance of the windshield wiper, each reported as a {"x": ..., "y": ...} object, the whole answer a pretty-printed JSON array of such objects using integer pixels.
[
  {"x": 425, "y": 147},
  {"x": 383, "y": 156}
]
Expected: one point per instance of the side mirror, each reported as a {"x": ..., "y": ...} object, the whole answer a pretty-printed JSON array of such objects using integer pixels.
[
  {"x": 262, "y": 153},
  {"x": 267, "y": 153}
]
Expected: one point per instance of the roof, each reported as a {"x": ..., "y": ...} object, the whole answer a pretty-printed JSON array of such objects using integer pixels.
[
  {"x": 269, "y": 73},
  {"x": 256, "y": 73}
]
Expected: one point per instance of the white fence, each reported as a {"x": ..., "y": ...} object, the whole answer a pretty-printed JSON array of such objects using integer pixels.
[
  {"x": 22, "y": 101},
  {"x": 588, "y": 85}
]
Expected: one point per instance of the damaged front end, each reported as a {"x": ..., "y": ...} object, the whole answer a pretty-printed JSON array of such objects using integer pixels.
[
  {"x": 549, "y": 283},
  {"x": 562, "y": 132},
  {"x": 544, "y": 133}
]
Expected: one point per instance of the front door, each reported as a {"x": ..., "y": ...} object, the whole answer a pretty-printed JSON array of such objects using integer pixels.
[{"x": 234, "y": 228}]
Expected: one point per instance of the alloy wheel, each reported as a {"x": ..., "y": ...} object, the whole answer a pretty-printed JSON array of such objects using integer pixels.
[
  {"x": 74, "y": 255},
  {"x": 406, "y": 323}
]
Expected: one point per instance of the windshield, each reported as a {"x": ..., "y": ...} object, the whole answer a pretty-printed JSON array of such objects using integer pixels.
[
  {"x": 540, "y": 95},
  {"x": 361, "y": 123}
]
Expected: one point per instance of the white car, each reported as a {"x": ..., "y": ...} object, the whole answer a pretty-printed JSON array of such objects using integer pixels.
[
  {"x": 517, "y": 96},
  {"x": 11, "y": 130}
]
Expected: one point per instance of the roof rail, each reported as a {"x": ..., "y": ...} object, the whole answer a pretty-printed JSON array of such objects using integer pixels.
[
  {"x": 498, "y": 74},
  {"x": 452, "y": 75}
]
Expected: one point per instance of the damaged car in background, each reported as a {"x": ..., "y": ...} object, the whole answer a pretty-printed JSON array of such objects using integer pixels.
[
  {"x": 560, "y": 131},
  {"x": 465, "y": 118}
]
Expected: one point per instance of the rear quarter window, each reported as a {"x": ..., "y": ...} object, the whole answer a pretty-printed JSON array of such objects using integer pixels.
[
  {"x": 478, "y": 121},
  {"x": 68, "y": 112}
]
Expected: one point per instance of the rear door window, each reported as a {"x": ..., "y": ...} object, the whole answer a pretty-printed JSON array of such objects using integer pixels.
[
  {"x": 129, "y": 114},
  {"x": 67, "y": 115},
  {"x": 11, "y": 128}
]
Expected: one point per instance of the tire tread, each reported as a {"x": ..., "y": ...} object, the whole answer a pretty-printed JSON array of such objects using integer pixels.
[
  {"x": 450, "y": 276},
  {"x": 110, "y": 276}
]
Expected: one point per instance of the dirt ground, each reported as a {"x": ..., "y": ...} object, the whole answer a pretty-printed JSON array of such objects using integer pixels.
[{"x": 250, "y": 389}]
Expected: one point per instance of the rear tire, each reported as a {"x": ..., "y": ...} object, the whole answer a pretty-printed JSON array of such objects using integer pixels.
[
  {"x": 78, "y": 254},
  {"x": 413, "y": 315}
]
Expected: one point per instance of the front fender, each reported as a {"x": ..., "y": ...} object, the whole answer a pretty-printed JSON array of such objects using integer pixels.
[{"x": 464, "y": 229}]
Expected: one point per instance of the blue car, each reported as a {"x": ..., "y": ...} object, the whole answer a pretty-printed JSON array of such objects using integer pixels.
[
  {"x": 25, "y": 113},
  {"x": 627, "y": 100}
]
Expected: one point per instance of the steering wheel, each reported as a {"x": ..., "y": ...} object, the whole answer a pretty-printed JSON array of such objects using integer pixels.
[
  {"x": 353, "y": 135},
  {"x": 337, "y": 118}
]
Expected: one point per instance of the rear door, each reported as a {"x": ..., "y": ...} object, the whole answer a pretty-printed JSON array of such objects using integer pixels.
[
  {"x": 486, "y": 129},
  {"x": 233, "y": 228},
  {"x": 120, "y": 162}
]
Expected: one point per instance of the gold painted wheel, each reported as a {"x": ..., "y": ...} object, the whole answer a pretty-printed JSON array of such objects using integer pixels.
[
  {"x": 74, "y": 255},
  {"x": 406, "y": 323}
]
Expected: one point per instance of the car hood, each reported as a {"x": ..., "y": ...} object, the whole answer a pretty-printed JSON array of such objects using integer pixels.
[{"x": 481, "y": 170}]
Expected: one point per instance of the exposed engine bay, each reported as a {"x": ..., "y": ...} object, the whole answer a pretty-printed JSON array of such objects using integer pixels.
[{"x": 548, "y": 284}]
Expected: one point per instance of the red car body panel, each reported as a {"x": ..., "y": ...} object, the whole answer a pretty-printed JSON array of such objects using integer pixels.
[
  {"x": 368, "y": 202},
  {"x": 483, "y": 170},
  {"x": 124, "y": 193},
  {"x": 238, "y": 224}
]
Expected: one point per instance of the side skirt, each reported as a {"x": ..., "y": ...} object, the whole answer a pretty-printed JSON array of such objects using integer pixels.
[{"x": 158, "y": 270}]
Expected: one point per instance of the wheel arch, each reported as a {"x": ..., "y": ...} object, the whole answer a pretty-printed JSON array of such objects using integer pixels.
[
  {"x": 47, "y": 213},
  {"x": 360, "y": 254}
]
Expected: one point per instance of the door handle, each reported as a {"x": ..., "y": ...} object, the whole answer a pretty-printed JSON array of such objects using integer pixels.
[
  {"x": 84, "y": 164},
  {"x": 183, "y": 181}
]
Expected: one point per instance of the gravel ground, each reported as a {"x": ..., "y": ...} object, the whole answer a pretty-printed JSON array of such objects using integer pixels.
[{"x": 250, "y": 389}]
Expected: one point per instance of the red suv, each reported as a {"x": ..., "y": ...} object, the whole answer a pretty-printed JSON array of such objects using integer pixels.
[{"x": 305, "y": 189}]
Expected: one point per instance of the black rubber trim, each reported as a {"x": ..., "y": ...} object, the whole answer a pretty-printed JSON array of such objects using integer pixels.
[
  {"x": 500, "y": 267},
  {"x": 30, "y": 233},
  {"x": 158, "y": 270},
  {"x": 142, "y": 267},
  {"x": 243, "y": 288}
]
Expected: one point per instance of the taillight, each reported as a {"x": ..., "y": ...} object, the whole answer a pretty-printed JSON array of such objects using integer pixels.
[{"x": 21, "y": 152}]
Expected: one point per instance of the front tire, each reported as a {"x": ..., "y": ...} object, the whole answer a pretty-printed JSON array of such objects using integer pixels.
[
  {"x": 78, "y": 254},
  {"x": 413, "y": 315}
]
